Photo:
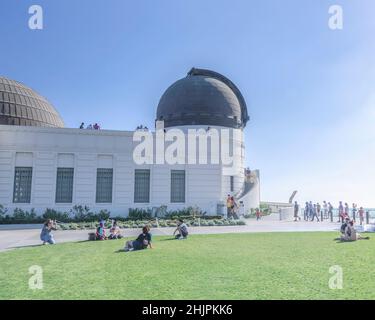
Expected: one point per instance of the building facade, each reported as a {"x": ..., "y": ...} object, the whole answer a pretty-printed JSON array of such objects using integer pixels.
[{"x": 44, "y": 165}]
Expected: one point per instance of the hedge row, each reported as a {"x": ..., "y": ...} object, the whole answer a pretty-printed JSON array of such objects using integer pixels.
[
  {"x": 84, "y": 214},
  {"x": 153, "y": 224}
]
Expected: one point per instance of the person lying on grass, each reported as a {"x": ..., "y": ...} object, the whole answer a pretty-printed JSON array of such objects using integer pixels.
[
  {"x": 351, "y": 234},
  {"x": 115, "y": 232},
  {"x": 181, "y": 229},
  {"x": 46, "y": 234},
  {"x": 142, "y": 242},
  {"x": 100, "y": 232}
]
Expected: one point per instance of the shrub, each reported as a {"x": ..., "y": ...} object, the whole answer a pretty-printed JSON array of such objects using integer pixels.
[
  {"x": 185, "y": 213},
  {"x": 56, "y": 215},
  {"x": 163, "y": 223},
  {"x": 73, "y": 226},
  {"x": 103, "y": 215},
  {"x": 23, "y": 216},
  {"x": 60, "y": 227},
  {"x": 140, "y": 214},
  {"x": 265, "y": 208},
  {"x": 80, "y": 213},
  {"x": 3, "y": 211}
]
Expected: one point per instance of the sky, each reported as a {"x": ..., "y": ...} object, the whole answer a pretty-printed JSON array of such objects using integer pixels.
[{"x": 310, "y": 90}]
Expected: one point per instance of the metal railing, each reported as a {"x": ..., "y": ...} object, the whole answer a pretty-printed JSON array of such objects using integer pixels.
[{"x": 368, "y": 218}]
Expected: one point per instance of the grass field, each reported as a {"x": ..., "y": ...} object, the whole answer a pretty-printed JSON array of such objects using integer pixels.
[{"x": 226, "y": 266}]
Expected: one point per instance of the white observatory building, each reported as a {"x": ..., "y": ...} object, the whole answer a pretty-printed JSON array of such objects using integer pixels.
[{"x": 45, "y": 165}]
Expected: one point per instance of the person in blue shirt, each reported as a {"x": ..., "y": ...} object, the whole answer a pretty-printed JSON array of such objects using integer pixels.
[
  {"x": 143, "y": 241},
  {"x": 46, "y": 234},
  {"x": 100, "y": 232}
]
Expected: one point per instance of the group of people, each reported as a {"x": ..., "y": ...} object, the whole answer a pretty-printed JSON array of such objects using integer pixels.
[
  {"x": 234, "y": 210},
  {"x": 325, "y": 211},
  {"x": 143, "y": 241},
  {"x": 114, "y": 232},
  {"x": 141, "y": 127},
  {"x": 94, "y": 126},
  {"x": 348, "y": 232},
  {"x": 344, "y": 212}
]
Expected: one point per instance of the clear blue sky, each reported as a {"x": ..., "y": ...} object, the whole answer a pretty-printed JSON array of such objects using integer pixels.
[{"x": 309, "y": 89}]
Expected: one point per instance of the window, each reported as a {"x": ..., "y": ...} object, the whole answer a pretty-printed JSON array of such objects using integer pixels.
[
  {"x": 142, "y": 186},
  {"x": 104, "y": 181},
  {"x": 22, "y": 184},
  {"x": 231, "y": 183},
  {"x": 178, "y": 186},
  {"x": 64, "y": 185}
]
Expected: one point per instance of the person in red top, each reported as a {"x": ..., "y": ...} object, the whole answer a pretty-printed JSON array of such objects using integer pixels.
[{"x": 258, "y": 213}]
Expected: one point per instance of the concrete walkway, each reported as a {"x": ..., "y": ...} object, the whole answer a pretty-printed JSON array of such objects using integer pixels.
[{"x": 17, "y": 236}]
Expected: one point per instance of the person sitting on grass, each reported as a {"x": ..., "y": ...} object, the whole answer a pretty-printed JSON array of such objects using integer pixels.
[
  {"x": 46, "y": 234},
  {"x": 181, "y": 229},
  {"x": 142, "y": 242},
  {"x": 115, "y": 232},
  {"x": 344, "y": 225},
  {"x": 100, "y": 232},
  {"x": 351, "y": 233}
]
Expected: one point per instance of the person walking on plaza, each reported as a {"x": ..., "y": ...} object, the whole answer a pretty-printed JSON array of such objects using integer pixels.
[
  {"x": 361, "y": 214},
  {"x": 325, "y": 210},
  {"x": 82, "y": 126},
  {"x": 296, "y": 210},
  {"x": 341, "y": 212},
  {"x": 318, "y": 210},
  {"x": 234, "y": 208},
  {"x": 354, "y": 211},
  {"x": 311, "y": 210},
  {"x": 229, "y": 207},
  {"x": 258, "y": 214},
  {"x": 346, "y": 210},
  {"x": 315, "y": 213},
  {"x": 306, "y": 212},
  {"x": 330, "y": 209}
]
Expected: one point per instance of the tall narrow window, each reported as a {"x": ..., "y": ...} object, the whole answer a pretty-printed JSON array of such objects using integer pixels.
[
  {"x": 178, "y": 186},
  {"x": 64, "y": 185},
  {"x": 142, "y": 186},
  {"x": 22, "y": 184},
  {"x": 231, "y": 183},
  {"x": 104, "y": 182}
]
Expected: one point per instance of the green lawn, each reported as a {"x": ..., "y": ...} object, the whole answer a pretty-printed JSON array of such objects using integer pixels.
[{"x": 226, "y": 266}]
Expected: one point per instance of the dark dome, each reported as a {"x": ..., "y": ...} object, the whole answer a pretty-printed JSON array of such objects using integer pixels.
[
  {"x": 20, "y": 105},
  {"x": 203, "y": 97}
]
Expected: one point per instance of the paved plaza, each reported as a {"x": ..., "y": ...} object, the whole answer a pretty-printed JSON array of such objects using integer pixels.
[{"x": 15, "y": 236}]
